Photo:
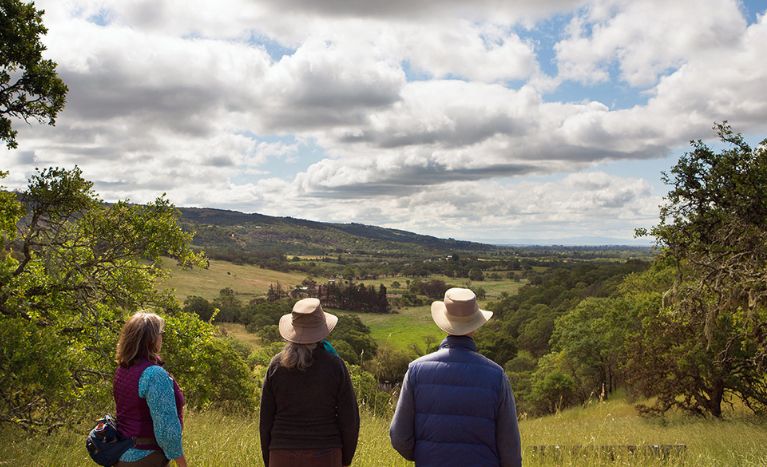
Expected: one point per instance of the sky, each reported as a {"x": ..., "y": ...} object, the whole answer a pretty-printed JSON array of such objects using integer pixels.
[{"x": 545, "y": 121}]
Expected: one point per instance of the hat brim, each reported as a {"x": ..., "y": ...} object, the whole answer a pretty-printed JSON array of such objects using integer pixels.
[
  {"x": 454, "y": 327},
  {"x": 306, "y": 335}
]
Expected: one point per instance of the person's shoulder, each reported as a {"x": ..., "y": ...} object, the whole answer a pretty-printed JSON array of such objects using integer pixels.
[
  {"x": 154, "y": 376},
  {"x": 275, "y": 360},
  {"x": 435, "y": 356},
  {"x": 328, "y": 359},
  {"x": 155, "y": 372},
  {"x": 490, "y": 364},
  {"x": 274, "y": 364}
]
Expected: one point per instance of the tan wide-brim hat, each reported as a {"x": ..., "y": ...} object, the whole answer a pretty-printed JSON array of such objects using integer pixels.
[
  {"x": 459, "y": 313},
  {"x": 307, "y": 323}
]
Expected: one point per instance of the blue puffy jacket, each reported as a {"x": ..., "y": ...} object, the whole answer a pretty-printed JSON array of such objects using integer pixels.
[{"x": 456, "y": 409}]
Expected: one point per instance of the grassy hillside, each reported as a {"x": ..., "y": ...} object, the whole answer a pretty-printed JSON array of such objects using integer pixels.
[
  {"x": 740, "y": 439},
  {"x": 249, "y": 281},
  {"x": 214, "y": 439},
  {"x": 219, "y": 230},
  {"x": 238, "y": 331}
]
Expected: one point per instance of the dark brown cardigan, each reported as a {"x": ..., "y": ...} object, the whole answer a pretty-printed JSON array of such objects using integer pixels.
[{"x": 313, "y": 408}]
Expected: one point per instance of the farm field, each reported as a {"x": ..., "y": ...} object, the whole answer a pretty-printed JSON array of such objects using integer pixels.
[
  {"x": 238, "y": 331},
  {"x": 399, "y": 330},
  {"x": 248, "y": 281},
  {"x": 493, "y": 288},
  {"x": 215, "y": 439},
  {"x": 406, "y": 327},
  {"x": 412, "y": 325}
]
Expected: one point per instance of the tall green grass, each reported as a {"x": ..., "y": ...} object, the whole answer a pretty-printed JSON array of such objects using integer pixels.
[
  {"x": 214, "y": 439},
  {"x": 739, "y": 439}
]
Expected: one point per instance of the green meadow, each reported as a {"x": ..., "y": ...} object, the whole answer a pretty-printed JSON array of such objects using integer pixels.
[
  {"x": 409, "y": 326},
  {"x": 592, "y": 435}
]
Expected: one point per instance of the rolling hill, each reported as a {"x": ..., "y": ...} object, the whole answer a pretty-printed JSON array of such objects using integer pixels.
[{"x": 219, "y": 231}]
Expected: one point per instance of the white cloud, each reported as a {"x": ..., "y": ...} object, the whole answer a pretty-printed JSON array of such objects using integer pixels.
[
  {"x": 501, "y": 210},
  {"x": 204, "y": 100},
  {"x": 645, "y": 38},
  {"x": 487, "y": 53}
]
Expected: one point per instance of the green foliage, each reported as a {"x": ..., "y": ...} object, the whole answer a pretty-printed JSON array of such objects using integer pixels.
[
  {"x": 263, "y": 355},
  {"x": 713, "y": 228},
  {"x": 408, "y": 299},
  {"x": 434, "y": 289},
  {"x": 351, "y": 330},
  {"x": 34, "y": 369},
  {"x": 346, "y": 352},
  {"x": 199, "y": 306},
  {"x": 369, "y": 396},
  {"x": 211, "y": 370},
  {"x": 269, "y": 333},
  {"x": 591, "y": 338},
  {"x": 229, "y": 305},
  {"x": 260, "y": 315},
  {"x": 599, "y": 345},
  {"x": 534, "y": 334},
  {"x": 354, "y": 297},
  {"x": 476, "y": 274},
  {"x": 389, "y": 365},
  {"x": 73, "y": 269},
  {"x": 525, "y": 321},
  {"x": 552, "y": 388},
  {"x": 29, "y": 85},
  {"x": 669, "y": 356}
]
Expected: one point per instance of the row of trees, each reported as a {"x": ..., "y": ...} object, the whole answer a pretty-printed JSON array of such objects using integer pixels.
[{"x": 354, "y": 296}]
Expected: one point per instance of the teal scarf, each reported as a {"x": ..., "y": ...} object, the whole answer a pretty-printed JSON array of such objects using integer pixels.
[{"x": 326, "y": 345}]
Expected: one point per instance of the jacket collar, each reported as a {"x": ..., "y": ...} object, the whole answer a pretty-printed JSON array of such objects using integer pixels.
[{"x": 458, "y": 342}]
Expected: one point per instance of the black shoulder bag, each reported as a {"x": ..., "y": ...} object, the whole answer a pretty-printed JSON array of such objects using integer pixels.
[{"x": 105, "y": 444}]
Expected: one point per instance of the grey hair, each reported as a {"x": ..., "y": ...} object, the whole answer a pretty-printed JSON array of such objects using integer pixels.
[{"x": 297, "y": 355}]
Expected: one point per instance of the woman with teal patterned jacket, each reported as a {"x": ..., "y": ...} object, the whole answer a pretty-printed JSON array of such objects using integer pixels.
[{"x": 148, "y": 401}]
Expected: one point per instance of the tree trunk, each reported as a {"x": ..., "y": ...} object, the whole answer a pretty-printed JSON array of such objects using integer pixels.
[{"x": 715, "y": 398}]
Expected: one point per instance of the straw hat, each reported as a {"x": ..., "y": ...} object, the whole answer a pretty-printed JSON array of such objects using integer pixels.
[
  {"x": 459, "y": 313},
  {"x": 307, "y": 323}
]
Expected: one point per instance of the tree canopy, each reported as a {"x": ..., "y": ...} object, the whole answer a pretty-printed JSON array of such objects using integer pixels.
[
  {"x": 30, "y": 89},
  {"x": 72, "y": 268},
  {"x": 713, "y": 228}
]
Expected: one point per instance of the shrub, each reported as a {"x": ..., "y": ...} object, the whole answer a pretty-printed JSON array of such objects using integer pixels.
[{"x": 210, "y": 369}]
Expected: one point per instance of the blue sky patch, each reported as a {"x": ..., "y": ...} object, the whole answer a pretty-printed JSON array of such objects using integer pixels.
[
  {"x": 102, "y": 18},
  {"x": 272, "y": 47}
]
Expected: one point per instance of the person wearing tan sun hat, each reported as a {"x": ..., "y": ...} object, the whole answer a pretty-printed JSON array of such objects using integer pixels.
[
  {"x": 309, "y": 414},
  {"x": 455, "y": 406}
]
